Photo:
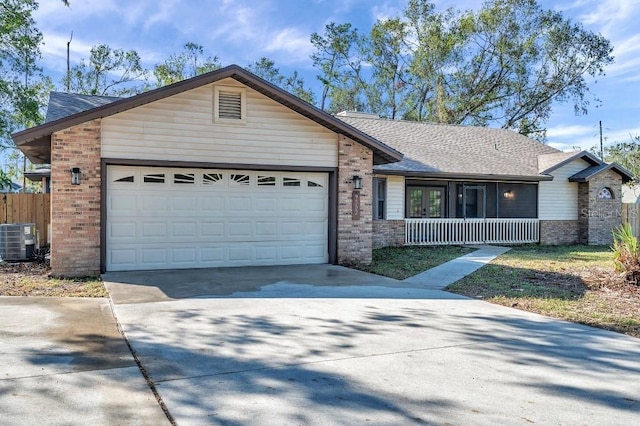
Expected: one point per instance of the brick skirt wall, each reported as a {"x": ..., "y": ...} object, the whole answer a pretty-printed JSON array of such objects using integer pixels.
[
  {"x": 559, "y": 232},
  {"x": 388, "y": 233}
]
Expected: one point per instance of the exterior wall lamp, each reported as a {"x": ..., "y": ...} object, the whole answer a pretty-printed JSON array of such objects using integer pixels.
[
  {"x": 508, "y": 195},
  {"x": 357, "y": 182},
  {"x": 75, "y": 176}
]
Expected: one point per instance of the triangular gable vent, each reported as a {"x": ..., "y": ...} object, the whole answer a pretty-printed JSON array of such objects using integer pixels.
[{"x": 230, "y": 105}]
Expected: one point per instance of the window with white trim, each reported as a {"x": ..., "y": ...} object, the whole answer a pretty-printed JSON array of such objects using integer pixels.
[
  {"x": 379, "y": 198},
  {"x": 229, "y": 105}
]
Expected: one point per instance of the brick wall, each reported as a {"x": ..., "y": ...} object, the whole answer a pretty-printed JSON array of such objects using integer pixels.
[
  {"x": 599, "y": 217},
  {"x": 559, "y": 232},
  {"x": 75, "y": 209},
  {"x": 354, "y": 236},
  {"x": 388, "y": 233}
]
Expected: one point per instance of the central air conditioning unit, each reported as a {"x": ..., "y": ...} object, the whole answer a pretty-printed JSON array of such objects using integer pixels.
[{"x": 17, "y": 241}]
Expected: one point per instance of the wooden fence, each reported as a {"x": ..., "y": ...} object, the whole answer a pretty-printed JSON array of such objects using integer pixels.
[
  {"x": 631, "y": 215},
  {"x": 27, "y": 208}
]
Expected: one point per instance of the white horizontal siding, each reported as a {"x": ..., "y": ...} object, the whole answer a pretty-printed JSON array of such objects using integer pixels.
[
  {"x": 558, "y": 199},
  {"x": 395, "y": 197},
  {"x": 181, "y": 128}
]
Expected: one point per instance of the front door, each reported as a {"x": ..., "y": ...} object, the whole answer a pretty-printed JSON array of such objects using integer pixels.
[
  {"x": 425, "y": 202},
  {"x": 474, "y": 202}
]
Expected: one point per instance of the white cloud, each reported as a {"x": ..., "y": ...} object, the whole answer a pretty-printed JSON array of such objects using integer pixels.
[
  {"x": 293, "y": 42},
  {"x": 568, "y": 131}
]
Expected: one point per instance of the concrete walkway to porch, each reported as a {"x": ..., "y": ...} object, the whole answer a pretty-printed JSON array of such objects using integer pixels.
[{"x": 449, "y": 272}]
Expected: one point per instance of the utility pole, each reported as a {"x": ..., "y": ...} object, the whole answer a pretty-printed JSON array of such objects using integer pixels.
[
  {"x": 601, "y": 148},
  {"x": 68, "y": 79}
]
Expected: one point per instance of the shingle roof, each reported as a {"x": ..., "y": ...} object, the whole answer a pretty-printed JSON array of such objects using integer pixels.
[
  {"x": 455, "y": 150},
  {"x": 62, "y": 105},
  {"x": 586, "y": 174}
]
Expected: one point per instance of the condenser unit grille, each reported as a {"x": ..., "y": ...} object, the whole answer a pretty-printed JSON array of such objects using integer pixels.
[{"x": 16, "y": 241}]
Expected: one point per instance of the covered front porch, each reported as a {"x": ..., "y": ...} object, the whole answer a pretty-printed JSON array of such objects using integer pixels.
[{"x": 441, "y": 212}]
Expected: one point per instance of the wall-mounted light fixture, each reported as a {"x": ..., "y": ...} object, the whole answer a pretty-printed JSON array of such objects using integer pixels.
[
  {"x": 75, "y": 176},
  {"x": 508, "y": 195},
  {"x": 357, "y": 182}
]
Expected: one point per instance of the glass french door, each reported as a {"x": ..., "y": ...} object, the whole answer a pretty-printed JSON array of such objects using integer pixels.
[{"x": 425, "y": 202}]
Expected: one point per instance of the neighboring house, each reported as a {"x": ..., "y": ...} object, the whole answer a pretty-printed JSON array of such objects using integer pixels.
[
  {"x": 41, "y": 175},
  {"x": 14, "y": 188},
  {"x": 225, "y": 169}
]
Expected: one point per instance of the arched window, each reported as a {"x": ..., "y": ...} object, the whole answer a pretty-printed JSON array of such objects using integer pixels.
[{"x": 605, "y": 194}]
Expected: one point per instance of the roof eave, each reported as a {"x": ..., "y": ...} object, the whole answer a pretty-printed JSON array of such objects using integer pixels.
[
  {"x": 626, "y": 175},
  {"x": 584, "y": 155},
  {"x": 466, "y": 176}
]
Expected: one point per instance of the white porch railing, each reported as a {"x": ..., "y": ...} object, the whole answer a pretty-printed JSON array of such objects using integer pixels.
[{"x": 471, "y": 231}]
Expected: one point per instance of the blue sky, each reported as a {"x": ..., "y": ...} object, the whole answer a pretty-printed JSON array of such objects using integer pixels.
[{"x": 241, "y": 31}]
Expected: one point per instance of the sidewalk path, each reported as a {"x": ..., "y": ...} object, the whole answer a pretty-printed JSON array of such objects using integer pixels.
[{"x": 443, "y": 275}]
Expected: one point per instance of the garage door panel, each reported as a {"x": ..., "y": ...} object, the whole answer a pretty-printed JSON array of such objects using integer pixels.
[
  {"x": 184, "y": 229},
  {"x": 123, "y": 204},
  {"x": 266, "y": 253},
  {"x": 122, "y": 257},
  {"x": 153, "y": 256},
  {"x": 266, "y": 229},
  {"x": 212, "y": 254},
  {"x": 154, "y": 230},
  {"x": 122, "y": 230},
  {"x": 212, "y": 204},
  {"x": 315, "y": 229},
  {"x": 184, "y": 255},
  {"x": 218, "y": 218},
  {"x": 154, "y": 204},
  {"x": 184, "y": 204},
  {"x": 212, "y": 229}
]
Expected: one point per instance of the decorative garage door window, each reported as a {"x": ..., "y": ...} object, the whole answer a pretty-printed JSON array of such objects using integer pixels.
[
  {"x": 241, "y": 179},
  {"x": 211, "y": 178},
  {"x": 128, "y": 179},
  {"x": 288, "y": 181},
  {"x": 154, "y": 178},
  {"x": 266, "y": 180},
  {"x": 313, "y": 184},
  {"x": 182, "y": 178}
]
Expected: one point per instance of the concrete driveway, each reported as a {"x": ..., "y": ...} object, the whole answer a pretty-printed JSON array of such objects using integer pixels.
[
  {"x": 64, "y": 362},
  {"x": 326, "y": 345}
]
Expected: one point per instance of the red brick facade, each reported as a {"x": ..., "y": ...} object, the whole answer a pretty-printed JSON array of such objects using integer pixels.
[
  {"x": 559, "y": 232},
  {"x": 599, "y": 217},
  {"x": 75, "y": 209},
  {"x": 354, "y": 236},
  {"x": 388, "y": 233}
]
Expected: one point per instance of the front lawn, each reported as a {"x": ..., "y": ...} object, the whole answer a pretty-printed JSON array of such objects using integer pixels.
[
  {"x": 405, "y": 262},
  {"x": 573, "y": 283}
]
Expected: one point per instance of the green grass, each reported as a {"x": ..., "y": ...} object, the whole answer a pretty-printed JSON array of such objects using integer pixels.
[
  {"x": 573, "y": 283},
  {"x": 405, "y": 262}
]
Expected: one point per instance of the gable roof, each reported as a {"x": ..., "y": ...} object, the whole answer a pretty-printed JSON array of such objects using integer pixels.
[
  {"x": 549, "y": 163},
  {"x": 590, "y": 172},
  {"x": 442, "y": 150},
  {"x": 36, "y": 141}
]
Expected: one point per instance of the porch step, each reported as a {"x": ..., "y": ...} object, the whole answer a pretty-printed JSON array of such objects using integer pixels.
[{"x": 442, "y": 275}]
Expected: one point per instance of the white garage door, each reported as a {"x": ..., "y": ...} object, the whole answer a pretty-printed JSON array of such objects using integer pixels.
[{"x": 165, "y": 218}]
